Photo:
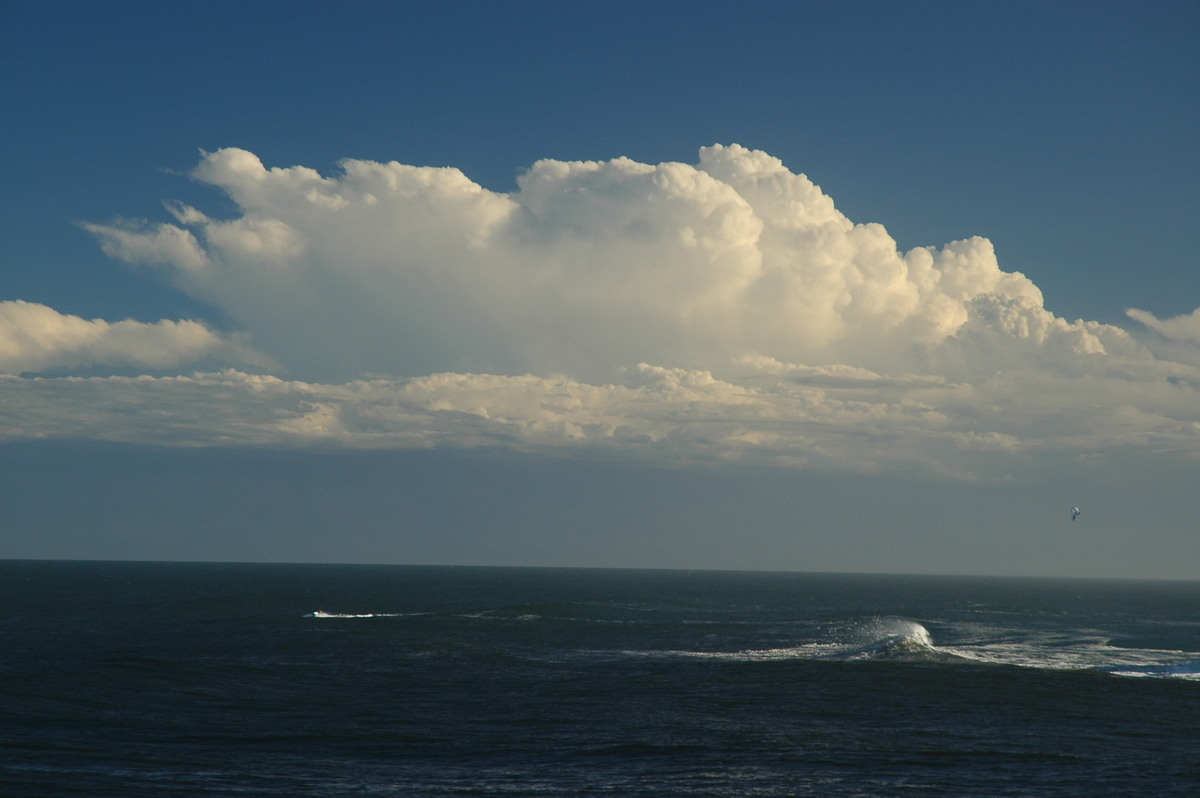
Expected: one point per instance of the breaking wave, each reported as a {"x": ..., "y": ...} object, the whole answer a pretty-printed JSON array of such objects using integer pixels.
[
  {"x": 876, "y": 638},
  {"x": 889, "y": 637}
]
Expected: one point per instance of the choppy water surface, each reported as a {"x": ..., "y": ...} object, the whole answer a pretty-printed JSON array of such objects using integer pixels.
[{"x": 185, "y": 679}]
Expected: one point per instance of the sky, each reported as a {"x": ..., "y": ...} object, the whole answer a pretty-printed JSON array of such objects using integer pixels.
[{"x": 855, "y": 286}]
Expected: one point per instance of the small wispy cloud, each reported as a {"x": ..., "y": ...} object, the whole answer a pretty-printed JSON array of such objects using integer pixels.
[{"x": 1185, "y": 328}]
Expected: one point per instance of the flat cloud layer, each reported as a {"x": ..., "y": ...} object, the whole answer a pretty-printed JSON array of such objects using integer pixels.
[
  {"x": 784, "y": 415},
  {"x": 719, "y": 311}
]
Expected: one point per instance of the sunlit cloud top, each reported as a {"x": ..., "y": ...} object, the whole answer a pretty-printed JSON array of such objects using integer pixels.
[{"x": 587, "y": 268}]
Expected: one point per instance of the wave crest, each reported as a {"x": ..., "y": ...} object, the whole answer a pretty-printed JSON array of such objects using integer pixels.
[{"x": 890, "y": 638}]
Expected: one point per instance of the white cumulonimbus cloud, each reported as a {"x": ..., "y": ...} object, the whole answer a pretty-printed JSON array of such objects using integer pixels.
[
  {"x": 587, "y": 268},
  {"x": 721, "y": 311}
]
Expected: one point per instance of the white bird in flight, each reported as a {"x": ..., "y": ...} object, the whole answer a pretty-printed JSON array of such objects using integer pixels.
[{"x": 1075, "y": 511}]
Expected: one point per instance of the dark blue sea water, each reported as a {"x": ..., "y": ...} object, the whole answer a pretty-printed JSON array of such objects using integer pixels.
[{"x": 147, "y": 679}]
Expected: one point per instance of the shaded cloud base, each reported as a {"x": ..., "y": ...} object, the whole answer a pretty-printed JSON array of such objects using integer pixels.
[{"x": 777, "y": 415}]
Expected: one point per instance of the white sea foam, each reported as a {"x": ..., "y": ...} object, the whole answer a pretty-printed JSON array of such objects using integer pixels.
[
  {"x": 323, "y": 614},
  {"x": 901, "y": 639},
  {"x": 894, "y": 638},
  {"x": 1083, "y": 652}
]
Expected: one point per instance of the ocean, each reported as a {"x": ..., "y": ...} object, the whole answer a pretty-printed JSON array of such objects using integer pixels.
[{"x": 157, "y": 679}]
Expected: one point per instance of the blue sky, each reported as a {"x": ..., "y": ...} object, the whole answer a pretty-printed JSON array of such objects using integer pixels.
[{"x": 640, "y": 362}]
